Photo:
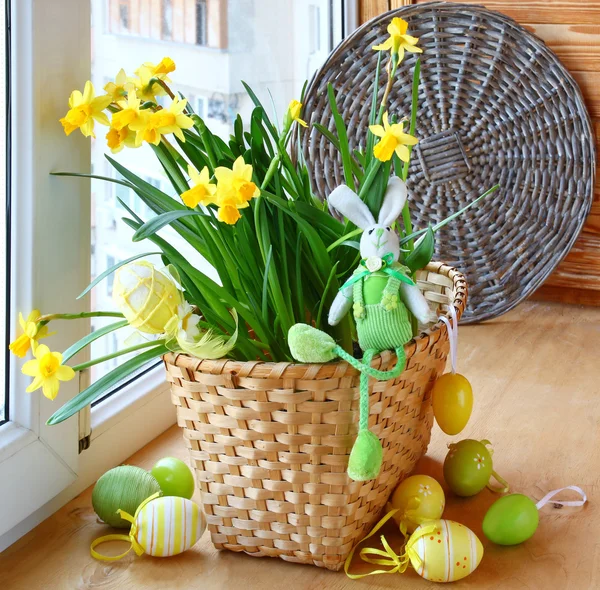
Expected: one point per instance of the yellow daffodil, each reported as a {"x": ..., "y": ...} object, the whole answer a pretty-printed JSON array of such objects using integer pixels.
[
  {"x": 130, "y": 111},
  {"x": 236, "y": 184},
  {"x": 234, "y": 190},
  {"x": 399, "y": 41},
  {"x": 228, "y": 211},
  {"x": 152, "y": 125},
  {"x": 393, "y": 139},
  {"x": 117, "y": 88},
  {"x": 145, "y": 73},
  {"x": 31, "y": 334},
  {"x": 172, "y": 119},
  {"x": 117, "y": 139},
  {"x": 144, "y": 89},
  {"x": 165, "y": 66},
  {"x": 202, "y": 191},
  {"x": 146, "y": 127},
  {"x": 294, "y": 110},
  {"x": 47, "y": 371},
  {"x": 84, "y": 110}
]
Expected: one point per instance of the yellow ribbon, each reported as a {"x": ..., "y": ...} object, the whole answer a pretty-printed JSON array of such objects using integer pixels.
[
  {"x": 389, "y": 558},
  {"x": 505, "y": 487},
  {"x": 131, "y": 537}
]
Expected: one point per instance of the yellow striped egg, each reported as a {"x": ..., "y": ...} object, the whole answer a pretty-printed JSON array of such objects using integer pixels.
[
  {"x": 448, "y": 552},
  {"x": 169, "y": 525}
]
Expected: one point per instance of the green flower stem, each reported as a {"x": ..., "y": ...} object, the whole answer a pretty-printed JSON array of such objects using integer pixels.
[
  {"x": 163, "y": 84},
  {"x": 413, "y": 125},
  {"x": 392, "y": 68},
  {"x": 77, "y": 316},
  {"x": 408, "y": 226},
  {"x": 113, "y": 355}
]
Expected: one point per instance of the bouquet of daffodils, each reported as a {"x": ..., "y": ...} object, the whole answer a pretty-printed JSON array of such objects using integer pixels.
[{"x": 246, "y": 206}]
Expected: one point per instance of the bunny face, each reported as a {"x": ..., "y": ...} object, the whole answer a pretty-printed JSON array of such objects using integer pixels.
[
  {"x": 378, "y": 238},
  {"x": 378, "y": 241}
]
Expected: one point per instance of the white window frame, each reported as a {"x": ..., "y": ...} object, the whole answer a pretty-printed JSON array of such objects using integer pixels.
[{"x": 40, "y": 466}]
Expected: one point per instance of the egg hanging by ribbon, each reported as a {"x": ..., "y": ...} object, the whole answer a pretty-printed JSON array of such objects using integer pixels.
[
  {"x": 514, "y": 518},
  {"x": 510, "y": 520},
  {"x": 444, "y": 551},
  {"x": 418, "y": 499},
  {"x": 452, "y": 400},
  {"x": 468, "y": 467}
]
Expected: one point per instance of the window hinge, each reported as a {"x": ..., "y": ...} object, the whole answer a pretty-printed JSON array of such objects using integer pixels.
[{"x": 85, "y": 415}]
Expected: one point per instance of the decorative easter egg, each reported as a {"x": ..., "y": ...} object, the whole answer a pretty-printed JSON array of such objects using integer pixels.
[
  {"x": 174, "y": 477},
  {"x": 147, "y": 297},
  {"x": 124, "y": 487},
  {"x": 468, "y": 467},
  {"x": 444, "y": 551},
  {"x": 511, "y": 520},
  {"x": 419, "y": 499},
  {"x": 452, "y": 399},
  {"x": 169, "y": 525}
]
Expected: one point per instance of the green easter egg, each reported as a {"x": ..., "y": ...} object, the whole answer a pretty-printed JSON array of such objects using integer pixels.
[
  {"x": 174, "y": 477},
  {"x": 122, "y": 488},
  {"x": 468, "y": 467},
  {"x": 511, "y": 520}
]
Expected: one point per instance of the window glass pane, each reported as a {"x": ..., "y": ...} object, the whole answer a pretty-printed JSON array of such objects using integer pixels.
[
  {"x": 4, "y": 198},
  {"x": 274, "y": 45}
]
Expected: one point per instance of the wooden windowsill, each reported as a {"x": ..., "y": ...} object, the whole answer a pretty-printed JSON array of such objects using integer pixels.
[{"x": 536, "y": 378}]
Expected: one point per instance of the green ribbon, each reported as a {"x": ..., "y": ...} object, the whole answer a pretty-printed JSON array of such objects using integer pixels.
[{"x": 387, "y": 260}]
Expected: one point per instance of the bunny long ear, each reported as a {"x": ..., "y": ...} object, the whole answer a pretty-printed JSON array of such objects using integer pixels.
[
  {"x": 349, "y": 204},
  {"x": 393, "y": 202}
]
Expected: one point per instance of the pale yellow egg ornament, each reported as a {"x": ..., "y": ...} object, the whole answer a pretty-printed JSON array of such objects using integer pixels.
[{"x": 419, "y": 499}]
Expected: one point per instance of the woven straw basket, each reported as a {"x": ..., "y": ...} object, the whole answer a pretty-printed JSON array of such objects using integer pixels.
[{"x": 270, "y": 441}]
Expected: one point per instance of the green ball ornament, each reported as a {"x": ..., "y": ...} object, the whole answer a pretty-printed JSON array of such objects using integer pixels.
[
  {"x": 468, "y": 467},
  {"x": 511, "y": 520},
  {"x": 122, "y": 488},
  {"x": 174, "y": 477}
]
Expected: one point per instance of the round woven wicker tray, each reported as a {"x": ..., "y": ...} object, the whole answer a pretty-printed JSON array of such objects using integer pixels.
[{"x": 495, "y": 106}]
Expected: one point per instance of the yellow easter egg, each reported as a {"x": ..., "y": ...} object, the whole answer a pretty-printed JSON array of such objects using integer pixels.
[
  {"x": 419, "y": 499},
  {"x": 452, "y": 400},
  {"x": 169, "y": 525},
  {"x": 444, "y": 551}
]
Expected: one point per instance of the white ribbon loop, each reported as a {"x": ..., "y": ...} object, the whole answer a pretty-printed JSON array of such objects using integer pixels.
[
  {"x": 452, "y": 336},
  {"x": 548, "y": 497}
]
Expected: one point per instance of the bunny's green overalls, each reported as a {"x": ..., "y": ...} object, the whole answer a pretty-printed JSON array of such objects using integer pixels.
[{"x": 382, "y": 320}]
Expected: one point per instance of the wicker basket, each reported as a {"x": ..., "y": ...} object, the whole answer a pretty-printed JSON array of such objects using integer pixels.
[{"x": 270, "y": 441}]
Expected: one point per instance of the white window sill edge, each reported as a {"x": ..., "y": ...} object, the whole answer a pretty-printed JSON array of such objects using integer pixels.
[{"x": 120, "y": 427}]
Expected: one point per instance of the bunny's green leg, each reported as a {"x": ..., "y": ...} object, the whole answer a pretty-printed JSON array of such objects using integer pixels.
[{"x": 367, "y": 453}]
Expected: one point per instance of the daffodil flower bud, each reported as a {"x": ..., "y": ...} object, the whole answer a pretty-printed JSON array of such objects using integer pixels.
[{"x": 147, "y": 297}]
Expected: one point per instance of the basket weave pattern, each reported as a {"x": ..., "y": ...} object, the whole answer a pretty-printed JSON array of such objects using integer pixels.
[
  {"x": 270, "y": 441},
  {"x": 496, "y": 106}
]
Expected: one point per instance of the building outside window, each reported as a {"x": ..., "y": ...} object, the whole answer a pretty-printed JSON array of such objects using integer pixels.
[
  {"x": 167, "y": 19},
  {"x": 201, "y": 22}
]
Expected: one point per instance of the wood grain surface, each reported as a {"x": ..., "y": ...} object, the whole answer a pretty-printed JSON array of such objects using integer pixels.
[{"x": 534, "y": 373}]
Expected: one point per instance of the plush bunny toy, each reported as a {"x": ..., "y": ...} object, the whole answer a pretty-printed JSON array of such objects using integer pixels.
[{"x": 379, "y": 292}]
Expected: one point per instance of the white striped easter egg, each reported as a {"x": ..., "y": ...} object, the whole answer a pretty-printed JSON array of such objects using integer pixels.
[
  {"x": 447, "y": 553},
  {"x": 169, "y": 525}
]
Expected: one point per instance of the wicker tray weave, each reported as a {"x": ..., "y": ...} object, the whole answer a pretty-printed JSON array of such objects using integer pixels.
[
  {"x": 270, "y": 442},
  {"x": 495, "y": 106}
]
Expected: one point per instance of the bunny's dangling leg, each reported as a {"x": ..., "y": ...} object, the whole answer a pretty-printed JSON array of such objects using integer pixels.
[
  {"x": 367, "y": 453},
  {"x": 309, "y": 345}
]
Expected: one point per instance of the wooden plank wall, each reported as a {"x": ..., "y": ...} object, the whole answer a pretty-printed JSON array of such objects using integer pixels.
[{"x": 571, "y": 28}]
